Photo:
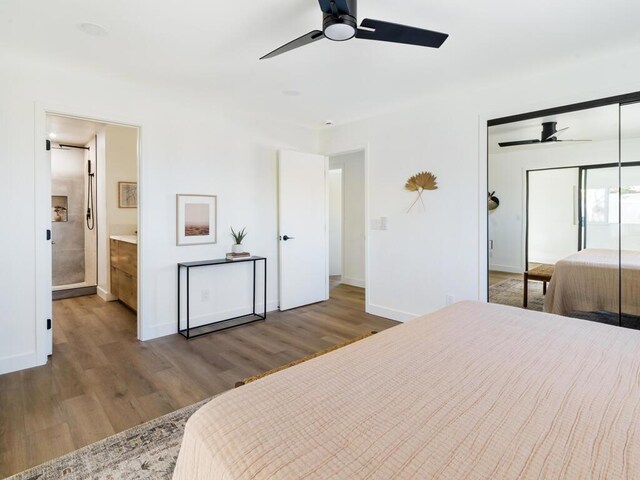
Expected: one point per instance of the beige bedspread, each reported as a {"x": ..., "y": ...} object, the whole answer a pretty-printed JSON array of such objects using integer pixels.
[
  {"x": 588, "y": 281},
  {"x": 474, "y": 391}
]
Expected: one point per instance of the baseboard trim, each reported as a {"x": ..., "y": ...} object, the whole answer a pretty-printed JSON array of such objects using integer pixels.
[
  {"x": 162, "y": 330},
  {"x": 74, "y": 292},
  {"x": 353, "y": 282},
  {"x": 397, "y": 315},
  {"x": 106, "y": 296},
  {"x": 19, "y": 362}
]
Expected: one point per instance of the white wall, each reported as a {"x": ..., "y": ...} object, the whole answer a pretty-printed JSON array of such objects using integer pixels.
[
  {"x": 121, "y": 160},
  {"x": 188, "y": 146},
  {"x": 353, "y": 211},
  {"x": 335, "y": 221},
  {"x": 553, "y": 214},
  {"x": 422, "y": 258}
]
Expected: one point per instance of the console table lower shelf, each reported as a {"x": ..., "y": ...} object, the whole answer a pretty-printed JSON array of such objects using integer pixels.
[{"x": 193, "y": 332}]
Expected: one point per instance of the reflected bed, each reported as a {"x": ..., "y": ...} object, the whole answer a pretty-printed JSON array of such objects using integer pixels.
[{"x": 588, "y": 281}]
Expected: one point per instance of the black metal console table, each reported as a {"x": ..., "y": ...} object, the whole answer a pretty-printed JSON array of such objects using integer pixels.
[{"x": 229, "y": 322}]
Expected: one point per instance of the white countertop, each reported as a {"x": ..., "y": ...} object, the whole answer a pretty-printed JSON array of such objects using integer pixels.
[{"x": 125, "y": 238}]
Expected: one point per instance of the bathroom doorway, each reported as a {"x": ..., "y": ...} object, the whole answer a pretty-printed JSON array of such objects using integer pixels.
[
  {"x": 94, "y": 221},
  {"x": 74, "y": 240}
]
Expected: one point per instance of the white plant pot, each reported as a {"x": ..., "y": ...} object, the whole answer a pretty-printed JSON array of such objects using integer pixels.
[{"x": 237, "y": 248}]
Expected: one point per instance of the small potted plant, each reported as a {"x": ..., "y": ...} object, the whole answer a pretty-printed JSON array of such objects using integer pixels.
[
  {"x": 60, "y": 211},
  {"x": 238, "y": 237}
]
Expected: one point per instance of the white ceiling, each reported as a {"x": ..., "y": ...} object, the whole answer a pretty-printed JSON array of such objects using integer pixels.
[
  {"x": 215, "y": 45},
  {"x": 72, "y": 131}
]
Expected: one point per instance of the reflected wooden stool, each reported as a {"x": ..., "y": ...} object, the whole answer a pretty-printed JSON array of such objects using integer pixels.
[{"x": 541, "y": 273}]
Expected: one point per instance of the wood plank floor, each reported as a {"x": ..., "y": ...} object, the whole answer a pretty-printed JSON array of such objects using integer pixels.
[
  {"x": 497, "y": 277},
  {"x": 101, "y": 380}
]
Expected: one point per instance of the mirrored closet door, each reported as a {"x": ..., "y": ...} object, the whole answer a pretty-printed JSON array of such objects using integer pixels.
[
  {"x": 629, "y": 202},
  {"x": 563, "y": 217}
]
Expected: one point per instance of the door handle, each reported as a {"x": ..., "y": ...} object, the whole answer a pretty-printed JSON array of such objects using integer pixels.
[{"x": 287, "y": 237}]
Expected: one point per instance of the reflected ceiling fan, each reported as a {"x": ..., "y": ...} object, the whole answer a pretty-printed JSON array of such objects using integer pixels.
[
  {"x": 549, "y": 134},
  {"x": 340, "y": 23}
]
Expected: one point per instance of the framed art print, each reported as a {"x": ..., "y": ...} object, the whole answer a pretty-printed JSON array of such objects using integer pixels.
[
  {"x": 196, "y": 219},
  {"x": 127, "y": 195}
]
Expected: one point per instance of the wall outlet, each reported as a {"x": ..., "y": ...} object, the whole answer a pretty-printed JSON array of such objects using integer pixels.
[
  {"x": 205, "y": 295},
  {"x": 379, "y": 223},
  {"x": 450, "y": 299}
]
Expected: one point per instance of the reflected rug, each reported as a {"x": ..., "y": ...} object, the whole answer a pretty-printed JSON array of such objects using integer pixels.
[{"x": 511, "y": 291}]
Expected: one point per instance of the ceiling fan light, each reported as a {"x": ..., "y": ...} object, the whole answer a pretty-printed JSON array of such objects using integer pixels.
[{"x": 339, "y": 32}]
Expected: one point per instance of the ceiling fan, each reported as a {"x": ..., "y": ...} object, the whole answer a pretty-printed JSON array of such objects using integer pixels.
[
  {"x": 549, "y": 134},
  {"x": 340, "y": 23}
]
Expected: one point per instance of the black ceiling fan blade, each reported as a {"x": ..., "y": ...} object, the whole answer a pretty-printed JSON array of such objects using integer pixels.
[
  {"x": 519, "y": 142},
  {"x": 574, "y": 140},
  {"x": 392, "y": 32},
  {"x": 297, "y": 43},
  {"x": 341, "y": 5}
]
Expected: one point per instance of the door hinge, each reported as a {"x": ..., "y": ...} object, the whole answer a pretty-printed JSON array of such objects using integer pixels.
[
  {"x": 48, "y": 324},
  {"x": 47, "y": 145}
]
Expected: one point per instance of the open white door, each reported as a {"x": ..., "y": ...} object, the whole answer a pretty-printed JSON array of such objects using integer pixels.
[
  {"x": 302, "y": 225},
  {"x": 44, "y": 303}
]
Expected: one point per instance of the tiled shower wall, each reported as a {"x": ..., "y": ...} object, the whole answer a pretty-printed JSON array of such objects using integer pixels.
[{"x": 68, "y": 178}]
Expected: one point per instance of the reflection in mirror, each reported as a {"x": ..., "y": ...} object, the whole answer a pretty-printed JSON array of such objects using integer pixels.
[
  {"x": 554, "y": 241},
  {"x": 630, "y": 214}
]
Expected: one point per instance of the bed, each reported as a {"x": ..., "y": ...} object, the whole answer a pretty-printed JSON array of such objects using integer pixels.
[
  {"x": 473, "y": 391},
  {"x": 588, "y": 281}
]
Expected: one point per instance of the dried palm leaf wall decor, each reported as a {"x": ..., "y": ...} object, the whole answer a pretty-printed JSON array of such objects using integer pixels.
[{"x": 419, "y": 183}]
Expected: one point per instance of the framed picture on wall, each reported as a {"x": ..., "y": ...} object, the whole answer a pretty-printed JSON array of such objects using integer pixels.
[
  {"x": 196, "y": 219},
  {"x": 127, "y": 195}
]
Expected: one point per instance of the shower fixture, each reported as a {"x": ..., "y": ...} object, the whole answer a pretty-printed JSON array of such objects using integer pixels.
[{"x": 91, "y": 221}]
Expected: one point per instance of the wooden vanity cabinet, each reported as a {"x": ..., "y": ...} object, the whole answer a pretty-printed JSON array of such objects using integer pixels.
[{"x": 124, "y": 272}]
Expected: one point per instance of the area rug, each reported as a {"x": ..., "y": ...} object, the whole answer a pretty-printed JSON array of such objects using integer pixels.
[
  {"x": 511, "y": 291},
  {"x": 148, "y": 451},
  {"x": 303, "y": 359}
]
